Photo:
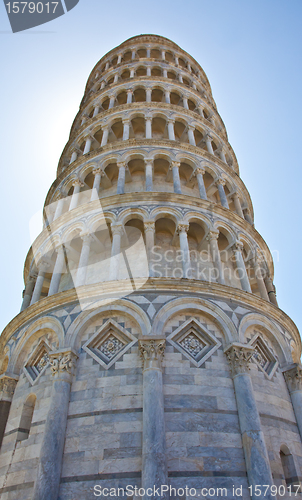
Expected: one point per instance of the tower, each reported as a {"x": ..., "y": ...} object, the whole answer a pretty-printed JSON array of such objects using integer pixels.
[{"x": 150, "y": 349}]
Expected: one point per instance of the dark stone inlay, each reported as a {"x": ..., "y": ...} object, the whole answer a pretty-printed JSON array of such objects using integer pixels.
[
  {"x": 204, "y": 473},
  {"x": 26, "y": 431},
  {"x": 125, "y": 452},
  {"x": 105, "y": 412},
  {"x": 17, "y": 487},
  {"x": 200, "y": 410},
  {"x": 104, "y": 477},
  {"x": 279, "y": 419}
]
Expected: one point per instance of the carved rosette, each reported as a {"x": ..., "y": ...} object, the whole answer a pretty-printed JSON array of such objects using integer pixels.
[
  {"x": 239, "y": 357},
  {"x": 62, "y": 364},
  {"x": 152, "y": 351},
  {"x": 7, "y": 387},
  {"x": 293, "y": 378}
]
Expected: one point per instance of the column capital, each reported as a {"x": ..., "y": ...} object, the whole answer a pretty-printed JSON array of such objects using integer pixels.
[
  {"x": 191, "y": 127},
  {"x": 221, "y": 181},
  {"x": 126, "y": 121},
  {"x": 148, "y": 161},
  {"x": 175, "y": 164},
  {"x": 86, "y": 237},
  {"x": 238, "y": 246},
  {"x": 77, "y": 182},
  {"x": 208, "y": 137},
  {"x": 121, "y": 164},
  {"x": 213, "y": 235},
  {"x": 183, "y": 227},
  {"x": 152, "y": 351},
  {"x": 293, "y": 377},
  {"x": 235, "y": 195},
  {"x": 7, "y": 387},
  {"x": 149, "y": 225},
  {"x": 63, "y": 363},
  {"x": 129, "y": 91},
  {"x": 200, "y": 170},
  {"x": 117, "y": 228},
  {"x": 239, "y": 356},
  {"x": 98, "y": 170},
  {"x": 43, "y": 265},
  {"x": 171, "y": 120}
]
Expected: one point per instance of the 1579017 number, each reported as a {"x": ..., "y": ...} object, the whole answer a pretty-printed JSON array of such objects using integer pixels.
[{"x": 31, "y": 7}]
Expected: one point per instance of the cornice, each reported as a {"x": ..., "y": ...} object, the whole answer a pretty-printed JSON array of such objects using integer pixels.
[{"x": 94, "y": 292}]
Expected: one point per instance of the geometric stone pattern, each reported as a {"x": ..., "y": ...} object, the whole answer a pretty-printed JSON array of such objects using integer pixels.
[
  {"x": 109, "y": 343},
  {"x": 37, "y": 362},
  {"x": 263, "y": 355},
  {"x": 194, "y": 341}
]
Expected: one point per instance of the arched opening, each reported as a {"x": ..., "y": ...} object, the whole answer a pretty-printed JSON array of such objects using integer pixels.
[
  {"x": 122, "y": 98},
  {"x": 110, "y": 81},
  {"x": 288, "y": 466},
  {"x": 180, "y": 132},
  {"x": 166, "y": 260},
  {"x": 155, "y": 54},
  {"x": 176, "y": 99},
  {"x": 161, "y": 169},
  {"x": 186, "y": 81},
  {"x": 137, "y": 128},
  {"x": 114, "y": 61},
  {"x": 125, "y": 74},
  {"x": 137, "y": 170},
  {"x": 127, "y": 56},
  {"x": 141, "y": 71},
  {"x": 105, "y": 103},
  {"x": 200, "y": 258},
  {"x": 155, "y": 72},
  {"x": 139, "y": 95},
  {"x": 181, "y": 62},
  {"x": 116, "y": 132},
  {"x": 142, "y": 53},
  {"x": 199, "y": 141},
  {"x": 169, "y": 57},
  {"x": 26, "y": 418},
  {"x": 171, "y": 75},
  {"x": 191, "y": 104},
  {"x": 159, "y": 128},
  {"x": 157, "y": 95}
]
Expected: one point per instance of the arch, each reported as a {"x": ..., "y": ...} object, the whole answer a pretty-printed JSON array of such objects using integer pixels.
[
  {"x": 288, "y": 465},
  {"x": 26, "y": 417},
  {"x": 47, "y": 326},
  {"x": 175, "y": 306},
  {"x": 270, "y": 330},
  {"x": 125, "y": 306}
]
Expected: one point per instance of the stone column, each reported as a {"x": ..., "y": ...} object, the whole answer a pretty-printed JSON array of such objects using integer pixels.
[
  {"x": 223, "y": 199},
  {"x": 59, "y": 207},
  {"x": 42, "y": 266},
  {"x": 271, "y": 290},
  {"x": 154, "y": 465},
  {"x": 163, "y": 55},
  {"x": 148, "y": 94},
  {"x": 167, "y": 96},
  {"x": 221, "y": 151},
  {"x": 132, "y": 72},
  {"x": 87, "y": 145},
  {"x": 84, "y": 259},
  {"x": 105, "y": 136},
  {"x": 293, "y": 377},
  {"x": 259, "y": 278},
  {"x": 115, "y": 80},
  {"x": 107, "y": 66},
  {"x": 148, "y": 70},
  {"x": 200, "y": 109},
  {"x": 148, "y": 52},
  {"x": 97, "y": 172},
  {"x": 57, "y": 272},
  {"x": 247, "y": 217},
  {"x": 29, "y": 288},
  {"x": 149, "y": 227},
  {"x": 74, "y": 156},
  {"x": 126, "y": 129},
  {"x": 176, "y": 179},
  {"x": 149, "y": 175},
  {"x": 7, "y": 389},
  {"x": 182, "y": 230},
  {"x": 96, "y": 110},
  {"x": 77, "y": 184},
  {"x": 185, "y": 102},
  {"x": 180, "y": 78},
  {"x": 176, "y": 60},
  {"x": 121, "y": 178},
  {"x": 148, "y": 127},
  {"x": 208, "y": 140},
  {"x": 165, "y": 73},
  {"x": 171, "y": 130},
  {"x": 62, "y": 365},
  {"x": 215, "y": 254},
  {"x": 199, "y": 172},
  {"x": 117, "y": 230},
  {"x": 112, "y": 101},
  {"x": 191, "y": 135},
  {"x": 129, "y": 96},
  {"x": 256, "y": 457},
  {"x": 103, "y": 84},
  {"x": 237, "y": 204},
  {"x": 133, "y": 54},
  {"x": 119, "y": 59},
  {"x": 244, "y": 280}
]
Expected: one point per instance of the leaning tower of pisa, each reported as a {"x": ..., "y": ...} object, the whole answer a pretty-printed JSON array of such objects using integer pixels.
[{"x": 150, "y": 349}]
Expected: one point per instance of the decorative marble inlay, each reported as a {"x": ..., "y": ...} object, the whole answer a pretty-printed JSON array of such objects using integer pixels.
[
  {"x": 263, "y": 356},
  {"x": 109, "y": 343},
  {"x": 37, "y": 362},
  {"x": 194, "y": 341}
]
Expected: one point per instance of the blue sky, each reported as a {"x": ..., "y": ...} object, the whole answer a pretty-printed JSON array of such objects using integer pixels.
[{"x": 251, "y": 53}]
